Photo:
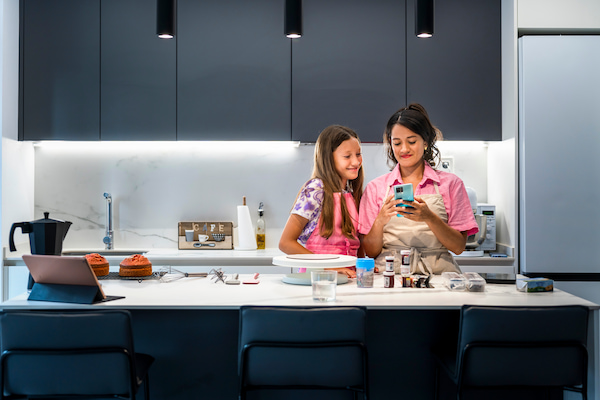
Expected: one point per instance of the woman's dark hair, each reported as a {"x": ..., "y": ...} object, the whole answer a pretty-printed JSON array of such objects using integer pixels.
[{"x": 414, "y": 117}]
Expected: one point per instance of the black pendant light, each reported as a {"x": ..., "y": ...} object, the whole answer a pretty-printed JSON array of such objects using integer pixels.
[
  {"x": 293, "y": 18},
  {"x": 424, "y": 18},
  {"x": 165, "y": 18}
]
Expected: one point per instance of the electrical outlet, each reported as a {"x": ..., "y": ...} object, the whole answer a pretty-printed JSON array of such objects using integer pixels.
[{"x": 447, "y": 164}]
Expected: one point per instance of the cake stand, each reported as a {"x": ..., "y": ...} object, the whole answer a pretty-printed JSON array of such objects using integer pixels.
[{"x": 313, "y": 261}]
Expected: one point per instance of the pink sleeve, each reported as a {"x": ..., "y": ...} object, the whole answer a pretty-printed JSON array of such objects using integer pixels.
[
  {"x": 370, "y": 205},
  {"x": 460, "y": 216}
]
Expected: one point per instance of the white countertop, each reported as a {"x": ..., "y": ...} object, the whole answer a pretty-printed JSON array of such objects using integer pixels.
[
  {"x": 176, "y": 257},
  {"x": 203, "y": 293}
]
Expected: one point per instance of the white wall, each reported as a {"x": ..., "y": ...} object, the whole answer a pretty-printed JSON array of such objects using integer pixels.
[{"x": 156, "y": 185}]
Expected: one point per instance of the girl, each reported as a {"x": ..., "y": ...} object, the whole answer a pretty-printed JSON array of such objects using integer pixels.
[
  {"x": 441, "y": 217},
  {"x": 324, "y": 217}
]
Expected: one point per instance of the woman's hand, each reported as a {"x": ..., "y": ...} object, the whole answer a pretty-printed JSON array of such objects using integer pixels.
[
  {"x": 418, "y": 210},
  {"x": 452, "y": 239},
  {"x": 373, "y": 241},
  {"x": 387, "y": 211}
]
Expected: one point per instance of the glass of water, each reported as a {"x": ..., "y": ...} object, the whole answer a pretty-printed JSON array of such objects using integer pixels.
[{"x": 323, "y": 285}]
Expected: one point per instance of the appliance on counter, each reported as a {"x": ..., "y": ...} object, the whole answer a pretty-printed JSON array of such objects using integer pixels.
[
  {"x": 559, "y": 144},
  {"x": 489, "y": 211},
  {"x": 485, "y": 239},
  {"x": 46, "y": 237}
]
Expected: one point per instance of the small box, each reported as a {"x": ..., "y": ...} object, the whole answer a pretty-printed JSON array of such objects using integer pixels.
[
  {"x": 533, "y": 285},
  {"x": 454, "y": 281},
  {"x": 475, "y": 283}
]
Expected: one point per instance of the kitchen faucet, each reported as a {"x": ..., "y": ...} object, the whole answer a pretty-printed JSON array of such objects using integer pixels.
[{"x": 108, "y": 239}]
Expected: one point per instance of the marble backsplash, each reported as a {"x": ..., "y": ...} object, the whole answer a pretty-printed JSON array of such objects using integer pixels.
[{"x": 156, "y": 185}]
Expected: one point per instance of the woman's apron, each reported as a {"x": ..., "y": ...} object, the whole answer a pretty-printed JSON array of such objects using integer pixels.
[
  {"x": 427, "y": 254},
  {"x": 337, "y": 243}
]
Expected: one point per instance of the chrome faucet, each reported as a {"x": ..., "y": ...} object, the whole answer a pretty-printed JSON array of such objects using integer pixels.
[{"x": 108, "y": 239}]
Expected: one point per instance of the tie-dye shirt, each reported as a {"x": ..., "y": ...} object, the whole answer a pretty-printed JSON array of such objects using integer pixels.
[{"x": 308, "y": 205}]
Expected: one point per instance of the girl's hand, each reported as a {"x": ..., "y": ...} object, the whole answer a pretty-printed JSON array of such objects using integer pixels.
[
  {"x": 388, "y": 210},
  {"x": 419, "y": 211},
  {"x": 345, "y": 271}
]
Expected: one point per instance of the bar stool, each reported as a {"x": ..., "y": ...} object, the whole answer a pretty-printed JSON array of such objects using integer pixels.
[
  {"x": 518, "y": 348},
  {"x": 75, "y": 355},
  {"x": 321, "y": 348}
]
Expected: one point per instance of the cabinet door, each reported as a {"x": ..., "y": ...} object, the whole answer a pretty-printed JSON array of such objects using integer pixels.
[
  {"x": 348, "y": 68},
  {"x": 233, "y": 70},
  {"x": 456, "y": 74},
  {"x": 138, "y": 86},
  {"x": 60, "y": 70}
]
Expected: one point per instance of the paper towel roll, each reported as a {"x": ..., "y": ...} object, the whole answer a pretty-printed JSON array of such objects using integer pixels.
[{"x": 246, "y": 238}]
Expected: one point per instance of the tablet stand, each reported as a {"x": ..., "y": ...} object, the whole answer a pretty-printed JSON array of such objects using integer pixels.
[{"x": 65, "y": 293}]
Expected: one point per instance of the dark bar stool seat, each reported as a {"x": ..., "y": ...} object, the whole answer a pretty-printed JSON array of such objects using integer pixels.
[
  {"x": 75, "y": 355},
  {"x": 321, "y": 348},
  {"x": 519, "y": 348}
]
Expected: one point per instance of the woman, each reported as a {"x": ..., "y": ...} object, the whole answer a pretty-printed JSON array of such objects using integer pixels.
[
  {"x": 441, "y": 217},
  {"x": 324, "y": 218}
]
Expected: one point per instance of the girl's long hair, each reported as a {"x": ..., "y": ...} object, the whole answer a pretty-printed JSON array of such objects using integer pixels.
[{"x": 324, "y": 168}]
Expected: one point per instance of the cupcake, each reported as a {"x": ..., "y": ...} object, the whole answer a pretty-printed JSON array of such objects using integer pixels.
[
  {"x": 134, "y": 266},
  {"x": 98, "y": 264}
]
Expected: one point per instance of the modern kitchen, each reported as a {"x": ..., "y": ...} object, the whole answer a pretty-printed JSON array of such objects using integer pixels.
[{"x": 140, "y": 142}]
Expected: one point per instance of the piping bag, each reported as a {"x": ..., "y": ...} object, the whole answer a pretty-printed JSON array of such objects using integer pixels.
[{"x": 245, "y": 231}]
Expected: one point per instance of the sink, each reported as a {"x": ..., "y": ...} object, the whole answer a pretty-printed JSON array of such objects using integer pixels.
[{"x": 105, "y": 253}]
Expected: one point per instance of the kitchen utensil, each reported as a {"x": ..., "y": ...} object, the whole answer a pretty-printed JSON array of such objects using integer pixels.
[
  {"x": 218, "y": 275},
  {"x": 218, "y": 237},
  {"x": 233, "y": 281},
  {"x": 200, "y": 244},
  {"x": 46, "y": 237},
  {"x": 175, "y": 274}
]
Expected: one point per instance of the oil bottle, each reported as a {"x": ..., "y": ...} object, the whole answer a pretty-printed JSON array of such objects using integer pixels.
[{"x": 260, "y": 228}]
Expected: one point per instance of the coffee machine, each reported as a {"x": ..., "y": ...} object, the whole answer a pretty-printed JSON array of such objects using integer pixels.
[{"x": 46, "y": 237}]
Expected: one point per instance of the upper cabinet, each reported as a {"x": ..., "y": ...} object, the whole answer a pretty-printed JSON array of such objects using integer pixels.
[
  {"x": 59, "y": 83},
  {"x": 138, "y": 76},
  {"x": 96, "y": 70},
  {"x": 456, "y": 74},
  {"x": 233, "y": 70},
  {"x": 348, "y": 68}
]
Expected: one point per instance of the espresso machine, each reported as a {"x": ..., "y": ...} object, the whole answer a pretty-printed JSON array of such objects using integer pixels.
[{"x": 46, "y": 237}]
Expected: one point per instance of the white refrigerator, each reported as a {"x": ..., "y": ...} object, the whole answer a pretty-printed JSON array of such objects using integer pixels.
[{"x": 559, "y": 160}]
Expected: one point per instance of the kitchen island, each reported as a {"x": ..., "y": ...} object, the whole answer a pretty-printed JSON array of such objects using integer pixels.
[{"x": 191, "y": 327}]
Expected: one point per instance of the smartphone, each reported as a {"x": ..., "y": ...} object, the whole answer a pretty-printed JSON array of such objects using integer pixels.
[{"x": 404, "y": 192}]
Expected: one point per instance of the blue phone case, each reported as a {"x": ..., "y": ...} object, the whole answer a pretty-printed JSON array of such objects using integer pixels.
[{"x": 403, "y": 192}]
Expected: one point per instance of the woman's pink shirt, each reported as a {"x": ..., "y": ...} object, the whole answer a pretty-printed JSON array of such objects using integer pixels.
[{"x": 451, "y": 187}]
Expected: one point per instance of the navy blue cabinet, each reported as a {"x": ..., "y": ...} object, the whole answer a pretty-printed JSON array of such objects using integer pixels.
[
  {"x": 95, "y": 70},
  {"x": 349, "y": 67},
  {"x": 456, "y": 74},
  {"x": 138, "y": 76},
  {"x": 59, "y": 84},
  {"x": 233, "y": 71}
]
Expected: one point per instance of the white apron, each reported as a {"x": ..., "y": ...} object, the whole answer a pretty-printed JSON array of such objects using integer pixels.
[{"x": 427, "y": 254}]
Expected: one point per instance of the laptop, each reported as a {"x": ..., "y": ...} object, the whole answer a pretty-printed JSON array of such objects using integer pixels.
[{"x": 64, "y": 279}]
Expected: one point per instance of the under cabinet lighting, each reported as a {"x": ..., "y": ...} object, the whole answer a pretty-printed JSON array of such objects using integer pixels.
[
  {"x": 424, "y": 18},
  {"x": 165, "y": 18},
  {"x": 136, "y": 147},
  {"x": 293, "y": 18}
]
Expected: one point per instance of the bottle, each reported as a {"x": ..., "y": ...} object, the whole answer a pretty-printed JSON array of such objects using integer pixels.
[
  {"x": 405, "y": 267},
  {"x": 388, "y": 275},
  {"x": 260, "y": 228}
]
